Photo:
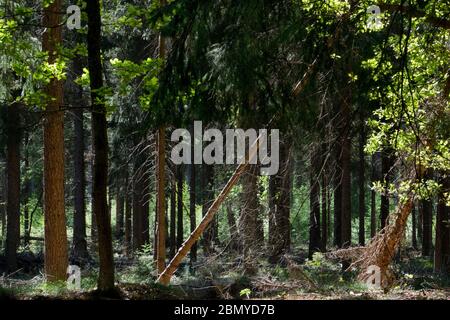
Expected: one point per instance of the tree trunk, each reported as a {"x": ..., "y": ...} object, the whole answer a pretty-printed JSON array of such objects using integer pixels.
[
  {"x": 138, "y": 241},
  {"x": 442, "y": 252},
  {"x": 414, "y": 227},
  {"x": 280, "y": 187},
  {"x": 385, "y": 174},
  {"x": 314, "y": 204},
  {"x": 161, "y": 207},
  {"x": 338, "y": 196},
  {"x": 120, "y": 204},
  {"x": 79, "y": 215},
  {"x": 26, "y": 194},
  {"x": 173, "y": 213},
  {"x": 55, "y": 253},
  {"x": 346, "y": 178},
  {"x": 373, "y": 207},
  {"x": 427, "y": 224},
  {"x": 232, "y": 227},
  {"x": 362, "y": 187},
  {"x": 100, "y": 143},
  {"x": 13, "y": 186},
  {"x": 192, "y": 203},
  {"x": 128, "y": 218},
  {"x": 325, "y": 212},
  {"x": 208, "y": 198},
  {"x": 180, "y": 235}
]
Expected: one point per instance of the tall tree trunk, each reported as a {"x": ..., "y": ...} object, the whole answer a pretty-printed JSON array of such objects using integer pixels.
[
  {"x": 337, "y": 197},
  {"x": 325, "y": 212},
  {"x": 314, "y": 204},
  {"x": 232, "y": 227},
  {"x": 414, "y": 227},
  {"x": 362, "y": 186},
  {"x": 373, "y": 206},
  {"x": 385, "y": 174},
  {"x": 180, "y": 235},
  {"x": 79, "y": 215},
  {"x": 56, "y": 255},
  {"x": 248, "y": 216},
  {"x": 208, "y": 198},
  {"x": 426, "y": 206},
  {"x": 13, "y": 185},
  {"x": 161, "y": 203},
  {"x": 346, "y": 178},
  {"x": 280, "y": 186},
  {"x": 192, "y": 214},
  {"x": 128, "y": 217},
  {"x": 173, "y": 213},
  {"x": 442, "y": 251},
  {"x": 138, "y": 241},
  {"x": 26, "y": 193},
  {"x": 120, "y": 207},
  {"x": 100, "y": 143}
]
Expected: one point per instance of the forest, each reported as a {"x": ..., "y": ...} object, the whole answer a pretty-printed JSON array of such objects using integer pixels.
[{"x": 220, "y": 149}]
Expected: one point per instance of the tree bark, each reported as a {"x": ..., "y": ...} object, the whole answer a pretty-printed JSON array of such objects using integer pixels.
[
  {"x": 442, "y": 251},
  {"x": 280, "y": 187},
  {"x": 100, "y": 144},
  {"x": 55, "y": 253},
  {"x": 426, "y": 206},
  {"x": 362, "y": 186},
  {"x": 385, "y": 174},
  {"x": 180, "y": 228},
  {"x": 314, "y": 204},
  {"x": 414, "y": 227},
  {"x": 79, "y": 215},
  {"x": 337, "y": 198},
  {"x": 173, "y": 213},
  {"x": 13, "y": 186}
]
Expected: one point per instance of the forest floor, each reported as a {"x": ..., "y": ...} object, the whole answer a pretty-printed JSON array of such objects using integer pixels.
[{"x": 222, "y": 277}]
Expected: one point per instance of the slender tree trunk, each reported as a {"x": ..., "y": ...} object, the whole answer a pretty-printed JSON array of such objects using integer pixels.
[
  {"x": 3, "y": 201},
  {"x": 100, "y": 144},
  {"x": 385, "y": 173},
  {"x": 373, "y": 207},
  {"x": 346, "y": 179},
  {"x": 427, "y": 223},
  {"x": 137, "y": 207},
  {"x": 192, "y": 214},
  {"x": 13, "y": 186},
  {"x": 442, "y": 252},
  {"x": 208, "y": 194},
  {"x": 338, "y": 196},
  {"x": 161, "y": 207},
  {"x": 414, "y": 227},
  {"x": 173, "y": 213},
  {"x": 128, "y": 217},
  {"x": 325, "y": 212},
  {"x": 120, "y": 207},
  {"x": 362, "y": 186},
  {"x": 232, "y": 227},
  {"x": 26, "y": 193},
  {"x": 314, "y": 204},
  {"x": 180, "y": 235},
  {"x": 55, "y": 253}
]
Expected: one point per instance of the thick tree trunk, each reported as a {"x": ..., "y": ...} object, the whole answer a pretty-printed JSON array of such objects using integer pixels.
[
  {"x": 280, "y": 186},
  {"x": 248, "y": 217},
  {"x": 180, "y": 228},
  {"x": 55, "y": 253},
  {"x": 442, "y": 251},
  {"x": 79, "y": 216},
  {"x": 100, "y": 144},
  {"x": 314, "y": 204},
  {"x": 13, "y": 186}
]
